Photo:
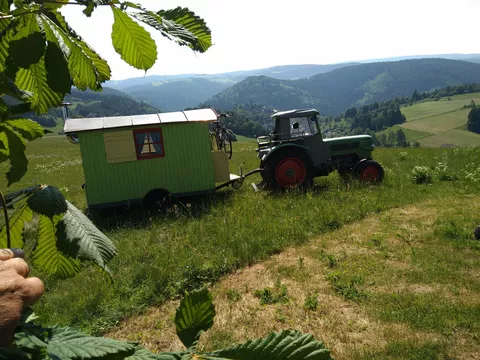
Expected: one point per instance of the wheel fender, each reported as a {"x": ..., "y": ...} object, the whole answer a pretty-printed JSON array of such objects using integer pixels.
[
  {"x": 283, "y": 147},
  {"x": 153, "y": 193},
  {"x": 357, "y": 164}
]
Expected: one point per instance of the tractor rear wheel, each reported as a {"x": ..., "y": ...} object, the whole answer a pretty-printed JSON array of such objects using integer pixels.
[
  {"x": 369, "y": 171},
  {"x": 288, "y": 170}
]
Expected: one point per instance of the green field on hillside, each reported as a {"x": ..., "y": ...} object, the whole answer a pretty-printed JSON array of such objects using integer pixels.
[
  {"x": 440, "y": 123},
  {"x": 202, "y": 240}
]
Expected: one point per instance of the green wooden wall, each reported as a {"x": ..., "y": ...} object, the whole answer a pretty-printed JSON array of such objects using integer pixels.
[{"x": 186, "y": 167}]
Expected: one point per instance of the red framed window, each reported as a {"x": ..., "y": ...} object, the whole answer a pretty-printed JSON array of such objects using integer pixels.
[{"x": 149, "y": 143}]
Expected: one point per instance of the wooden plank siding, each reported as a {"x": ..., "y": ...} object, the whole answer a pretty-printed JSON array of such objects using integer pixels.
[
  {"x": 187, "y": 165},
  {"x": 119, "y": 146}
]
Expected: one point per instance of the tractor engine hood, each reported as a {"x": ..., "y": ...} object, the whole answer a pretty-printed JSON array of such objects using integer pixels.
[
  {"x": 341, "y": 144},
  {"x": 348, "y": 139}
]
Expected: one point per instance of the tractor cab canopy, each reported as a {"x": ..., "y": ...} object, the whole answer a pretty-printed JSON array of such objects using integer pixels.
[
  {"x": 295, "y": 113},
  {"x": 293, "y": 124}
]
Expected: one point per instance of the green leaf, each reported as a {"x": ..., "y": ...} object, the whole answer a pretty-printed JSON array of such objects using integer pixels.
[
  {"x": 194, "y": 24},
  {"x": 79, "y": 238},
  {"x": 13, "y": 353},
  {"x": 19, "y": 109},
  {"x": 58, "y": 73},
  {"x": 27, "y": 46},
  {"x": 48, "y": 201},
  {"x": 101, "y": 66},
  {"x": 17, "y": 224},
  {"x": 8, "y": 87},
  {"x": 66, "y": 343},
  {"x": 5, "y": 6},
  {"x": 132, "y": 42},
  {"x": 6, "y": 29},
  {"x": 15, "y": 150},
  {"x": 180, "y": 25},
  {"x": 56, "y": 63},
  {"x": 87, "y": 69},
  {"x": 287, "y": 344},
  {"x": 34, "y": 79},
  {"x": 3, "y": 107},
  {"x": 29, "y": 129},
  {"x": 143, "y": 354},
  {"x": 46, "y": 255},
  {"x": 194, "y": 315},
  {"x": 55, "y": 5}
]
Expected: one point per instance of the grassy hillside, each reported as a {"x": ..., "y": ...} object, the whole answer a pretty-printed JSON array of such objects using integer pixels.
[
  {"x": 334, "y": 91},
  {"x": 202, "y": 239},
  {"x": 429, "y": 310},
  {"x": 442, "y": 122}
]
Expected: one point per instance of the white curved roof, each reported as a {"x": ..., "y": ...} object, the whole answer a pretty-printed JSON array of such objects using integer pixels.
[{"x": 88, "y": 124}]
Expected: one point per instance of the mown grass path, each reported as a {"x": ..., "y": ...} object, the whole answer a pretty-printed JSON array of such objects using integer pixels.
[{"x": 404, "y": 284}]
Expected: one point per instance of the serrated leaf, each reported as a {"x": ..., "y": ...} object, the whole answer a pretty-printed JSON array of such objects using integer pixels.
[
  {"x": 13, "y": 353},
  {"x": 6, "y": 28},
  {"x": 193, "y": 24},
  {"x": 3, "y": 107},
  {"x": 8, "y": 87},
  {"x": 102, "y": 67},
  {"x": 194, "y": 315},
  {"x": 27, "y": 46},
  {"x": 29, "y": 129},
  {"x": 66, "y": 343},
  {"x": 48, "y": 201},
  {"x": 79, "y": 238},
  {"x": 15, "y": 150},
  {"x": 27, "y": 340},
  {"x": 17, "y": 224},
  {"x": 5, "y": 6},
  {"x": 132, "y": 42},
  {"x": 82, "y": 67},
  {"x": 34, "y": 80},
  {"x": 288, "y": 344},
  {"x": 180, "y": 25},
  {"x": 46, "y": 255},
  {"x": 143, "y": 354},
  {"x": 58, "y": 74},
  {"x": 55, "y": 5}
]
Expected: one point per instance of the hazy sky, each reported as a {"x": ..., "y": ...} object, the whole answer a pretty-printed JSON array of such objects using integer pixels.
[{"x": 249, "y": 34}]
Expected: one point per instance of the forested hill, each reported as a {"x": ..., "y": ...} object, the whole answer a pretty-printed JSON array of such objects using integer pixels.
[
  {"x": 108, "y": 102},
  {"x": 331, "y": 93}
]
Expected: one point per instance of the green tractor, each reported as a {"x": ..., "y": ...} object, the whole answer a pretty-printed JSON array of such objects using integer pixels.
[{"x": 295, "y": 153}]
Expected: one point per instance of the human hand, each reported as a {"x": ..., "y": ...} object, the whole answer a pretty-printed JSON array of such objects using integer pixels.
[{"x": 16, "y": 291}]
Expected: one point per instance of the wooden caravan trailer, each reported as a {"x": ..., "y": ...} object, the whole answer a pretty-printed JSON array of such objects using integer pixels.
[{"x": 143, "y": 158}]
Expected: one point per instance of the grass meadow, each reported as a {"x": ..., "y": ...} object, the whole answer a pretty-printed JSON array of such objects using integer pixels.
[
  {"x": 377, "y": 272},
  {"x": 442, "y": 122}
]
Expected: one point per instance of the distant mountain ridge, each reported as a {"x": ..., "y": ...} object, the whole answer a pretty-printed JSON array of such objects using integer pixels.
[
  {"x": 334, "y": 91},
  {"x": 176, "y": 92}
]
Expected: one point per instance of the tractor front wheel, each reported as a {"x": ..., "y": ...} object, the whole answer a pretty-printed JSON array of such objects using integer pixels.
[
  {"x": 290, "y": 170},
  {"x": 369, "y": 171}
]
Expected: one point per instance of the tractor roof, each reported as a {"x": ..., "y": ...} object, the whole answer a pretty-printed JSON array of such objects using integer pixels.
[
  {"x": 88, "y": 124},
  {"x": 295, "y": 113}
]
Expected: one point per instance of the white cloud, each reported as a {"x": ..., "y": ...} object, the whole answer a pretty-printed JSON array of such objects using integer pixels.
[{"x": 260, "y": 33}]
